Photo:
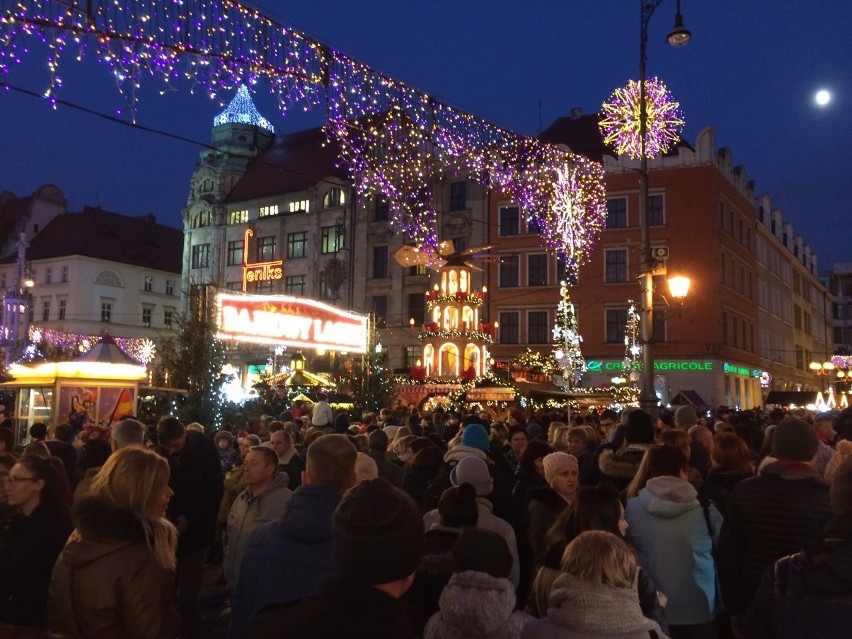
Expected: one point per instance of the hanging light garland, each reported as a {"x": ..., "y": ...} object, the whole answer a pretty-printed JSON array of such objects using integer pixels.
[
  {"x": 393, "y": 138},
  {"x": 621, "y": 123},
  {"x": 632, "y": 346}
]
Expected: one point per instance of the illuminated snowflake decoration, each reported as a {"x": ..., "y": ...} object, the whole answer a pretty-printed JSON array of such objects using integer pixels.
[
  {"x": 621, "y": 122},
  {"x": 576, "y": 214},
  {"x": 147, "y": 350}
]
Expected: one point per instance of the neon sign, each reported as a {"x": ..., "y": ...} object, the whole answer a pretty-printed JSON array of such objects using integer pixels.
[
  {"x": 599, "y": 366},
  {"x": 259, "y": 271},
  {"x": 740, "y": 370},
  {"x": 289, "y": 321}
]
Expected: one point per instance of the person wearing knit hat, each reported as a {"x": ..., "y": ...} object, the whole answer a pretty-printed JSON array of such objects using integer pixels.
[
  {"x": 474, "y": 470},
  {"x": 807, "y": 594},
  {"x": 767, "y": 517},
  {"x": 546, "y": 503},
  {"x": 685, "y": 417},
  {"x": 378, "y": 540},
  {"x": 475, "y": 436}
]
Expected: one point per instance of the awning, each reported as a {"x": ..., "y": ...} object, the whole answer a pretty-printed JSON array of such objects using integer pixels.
[
  {"x": 786, "y": 398},
  {"x": 688, "y": 397}
]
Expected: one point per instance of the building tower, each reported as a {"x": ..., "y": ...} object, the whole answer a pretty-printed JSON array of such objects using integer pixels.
[{"x": 455, "y": 342}]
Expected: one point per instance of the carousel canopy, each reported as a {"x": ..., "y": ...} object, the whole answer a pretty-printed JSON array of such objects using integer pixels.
[{"x": 106, "y": 351}]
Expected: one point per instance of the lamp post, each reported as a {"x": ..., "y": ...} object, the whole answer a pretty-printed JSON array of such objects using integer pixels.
[
  {"x": 822, "y": 369},
  {"x": 678, "y": 37}
]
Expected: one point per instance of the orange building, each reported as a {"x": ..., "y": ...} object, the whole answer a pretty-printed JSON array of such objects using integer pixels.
[{"x": 702, "y": 213}]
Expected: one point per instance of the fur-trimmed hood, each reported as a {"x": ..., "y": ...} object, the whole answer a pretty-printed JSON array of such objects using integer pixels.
[
  {"x": 548, "y": 497},
  {"x": 623, "y": 463},
  {"x": 99, "y": 529}
]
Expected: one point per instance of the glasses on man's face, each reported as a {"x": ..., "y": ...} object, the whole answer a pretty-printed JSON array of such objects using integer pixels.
[{"x": 17, "y": 480}]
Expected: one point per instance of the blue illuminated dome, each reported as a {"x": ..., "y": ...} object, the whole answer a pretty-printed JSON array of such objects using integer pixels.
[{"x": 241, "y": 110}]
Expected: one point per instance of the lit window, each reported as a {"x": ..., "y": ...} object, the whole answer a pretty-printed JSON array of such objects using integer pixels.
[
  {"x": 238, "y": 217},
  {"x": 200, "y": 256},
  {"x": 331, "y": 238},
  {"x": 298, "y": 206},
  {"x": 268, "y": 211},
  {"x": 334, "y": 197}
]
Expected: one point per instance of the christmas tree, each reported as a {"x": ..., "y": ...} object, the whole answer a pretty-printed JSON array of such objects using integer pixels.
[
  {"x": 632, "y": 348},
  {"x": 567, "y": 340}
]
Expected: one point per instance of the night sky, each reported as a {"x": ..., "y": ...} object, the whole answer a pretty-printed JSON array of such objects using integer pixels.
[{"x": 751, "y": 72}]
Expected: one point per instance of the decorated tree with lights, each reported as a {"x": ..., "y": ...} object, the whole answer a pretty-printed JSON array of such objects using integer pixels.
[
  {"x": 567, "y": 340},
  {"x": 632, "y": 347},
  {"x": 369, "y": 380},
  {"x": 194, "y": 359}
]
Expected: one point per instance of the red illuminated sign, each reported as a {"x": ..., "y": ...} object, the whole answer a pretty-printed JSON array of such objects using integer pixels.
[{"x": 290, "y": 321}]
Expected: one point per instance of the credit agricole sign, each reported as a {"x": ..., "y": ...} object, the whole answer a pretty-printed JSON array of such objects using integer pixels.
[{"x": 601, "y": 366}]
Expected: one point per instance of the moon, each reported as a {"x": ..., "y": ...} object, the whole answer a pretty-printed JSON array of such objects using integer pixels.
[{"x": 822, "y": 97}]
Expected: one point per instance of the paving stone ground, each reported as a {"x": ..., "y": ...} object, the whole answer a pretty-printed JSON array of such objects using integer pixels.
[{"x": 215, "y": 603}]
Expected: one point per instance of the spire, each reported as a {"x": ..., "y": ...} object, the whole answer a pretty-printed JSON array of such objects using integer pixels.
[{"x": 241, "y": 110}]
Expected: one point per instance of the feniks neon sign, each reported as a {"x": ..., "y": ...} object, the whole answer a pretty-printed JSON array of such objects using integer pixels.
[
  {"x": 259, "y": 271},
  {"x": 289, "y": 321}
]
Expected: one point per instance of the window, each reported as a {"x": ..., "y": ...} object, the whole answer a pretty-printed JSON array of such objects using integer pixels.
[
  {"x": 458, "y": 196},
  {"x": 294, "y": 285},
  {"x": 418, "y": 269},
  {"x": 170, "y": 287},
  {"x": 267, "y": 211},
  {"x": 380, "y": 310},
  {"x": 334, "y": 197},
  {"x": 235, "y": 252},
  {"x": 299, "y": 206},
  {"x": 412, "y": 354},
  {"x": 537, "y": 269},
  {"x": 615, "y": 261},
  {"x": 656, "y": 210},
  {"x": 64, "y": 274},
  {"x": 416, "y": 308},
  {"x": 167, "y": 319},
  {"x": 238, "y": 217},
  {"x": 148, "y": 284},
  {"x": 202, "y": 218},
  {"x": 538, "y": 327},
  {"x": 266, "y": 248},
  {"x": 296, "y": 244},
  {"x": 63, "y": 305},
  {"x": 45, "y": 310},
  {"x": 331, "y": 239},
  {"x": 201, "y": 256},
  {"x": 459, "y": 245},
  {"x": 509, "y": 220},
  {"x": 48, "y": 275},
  {"x": 509, "y": 271},
  {"x": 534, "y": 225},
  {"x": 616, "y": 213},
  {"x": 106, "y": 311},
  {"x": 509, "y": 328},
  {"x": 616, "y": 322},
  {"x": 380, "y": 261},
  {"x": 382, "y": 210},
  {"x": 146, "y": 316},
  {"x": 264, "y": 288}
]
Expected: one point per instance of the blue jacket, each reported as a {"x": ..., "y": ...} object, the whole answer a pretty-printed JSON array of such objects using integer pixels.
[
  {"x": 669, "y": 531},
  {"x": 286, "y": 560}
]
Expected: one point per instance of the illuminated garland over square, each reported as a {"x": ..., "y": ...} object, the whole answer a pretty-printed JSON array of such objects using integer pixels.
[
  {"x": 394, "y": 139},
  {"x": 621, "y": 122}
]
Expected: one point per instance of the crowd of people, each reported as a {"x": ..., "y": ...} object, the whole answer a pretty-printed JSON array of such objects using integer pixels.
[{"x": 528, "y": 525}]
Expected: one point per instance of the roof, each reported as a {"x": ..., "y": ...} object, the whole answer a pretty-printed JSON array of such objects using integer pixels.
[
  {"x": 688, "y": 397},
  {"x": 293, "y": 162},
  {"x": 582, "y": 135},
  {"x": 138, "y": 241}
]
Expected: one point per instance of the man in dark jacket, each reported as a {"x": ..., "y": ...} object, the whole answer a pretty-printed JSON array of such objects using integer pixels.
[
  {"x": 782, "y": 511},
  {"x": 286, "y": 560},
  {"x": 60, "y": 446},
  {"x": 378, "y": 541},
  {"x": 378, "y": 442},
  {"x": 196, "y": 479}
]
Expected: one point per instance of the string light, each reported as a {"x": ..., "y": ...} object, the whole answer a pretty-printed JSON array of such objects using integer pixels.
[
  {"x": 241, "y": 110},
  {"x": 621, "y": 123},
  {"x": 393, "y": 138},
  {"x": 632, "y": 347},
  {"x": 567, "y": 340}
]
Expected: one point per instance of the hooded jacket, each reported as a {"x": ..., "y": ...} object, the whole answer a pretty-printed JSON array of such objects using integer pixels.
[
  {"x": 247, "y": 512},
  {"x": 476, "y": 605},
  {"x": 286, "y": 560},
  {"x": 668, "y": 528},
  {"x": 107, "y": 581},
  {"x": 618, "y": 467}
]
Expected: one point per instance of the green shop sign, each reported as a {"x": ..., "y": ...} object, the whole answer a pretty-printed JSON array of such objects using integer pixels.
[
  {"x": 740, "y": 370},
  {"x": 600, "y": 366}
]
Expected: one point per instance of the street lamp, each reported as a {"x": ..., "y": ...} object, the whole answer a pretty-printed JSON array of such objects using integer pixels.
[
  {"x": 822, "y": 369},
  {"x": 679, "y": 36}
]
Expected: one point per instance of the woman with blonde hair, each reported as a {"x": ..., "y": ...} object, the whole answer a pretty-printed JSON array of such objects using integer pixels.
[
  {"x": 115, "y": 577},
  {"x": 595, "y": 596}
]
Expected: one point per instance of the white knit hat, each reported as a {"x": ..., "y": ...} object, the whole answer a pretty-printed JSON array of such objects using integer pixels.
[{"x": 554, "y": 462}]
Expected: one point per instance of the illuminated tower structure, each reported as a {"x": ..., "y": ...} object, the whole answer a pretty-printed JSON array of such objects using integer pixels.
[{"x": 455, "y": 342}]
